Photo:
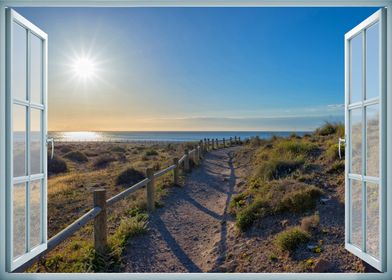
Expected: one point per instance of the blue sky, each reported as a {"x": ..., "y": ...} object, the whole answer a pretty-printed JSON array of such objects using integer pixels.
[{"x": 196, "y": 68}]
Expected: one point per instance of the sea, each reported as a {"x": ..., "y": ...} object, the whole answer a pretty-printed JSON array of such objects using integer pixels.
[{"x": 161, "y": 136}]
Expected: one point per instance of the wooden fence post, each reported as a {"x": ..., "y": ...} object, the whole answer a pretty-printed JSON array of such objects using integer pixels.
[
  {"x": 186, "y": 160},
  {"x": 150, "y": 190},
  {"x": 205, "y": 146},
  {"x": 239, "y": 140},
  {"x": 175, "y": 171},
  {"x": 208, "y": 144},
  {"x": 224, "y": 143},
  {"x": 100, "y": 222},
  {"x": 217, "y": 143},
  {"x": 235, "y": 140}
]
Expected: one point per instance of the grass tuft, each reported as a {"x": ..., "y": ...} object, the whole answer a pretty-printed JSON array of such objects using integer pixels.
[
  {"x": 76, "y": 156},
  {"x": 255, "y": 210},
  {"x": 291, "y": 239},
  {"x": 149, "y": 153},
  {"x": 277, "y": 169},
  {"x": 337, "y": 167},
  {"x": 129, "y": 177},
  {"x": 118, "y": 149},
  {"x": 103, "y": 161},
  {"x": 330, "y": 128},
  {"x": 56, "y": 165},
  {"x": 300, "y": 200},
  {"x": 310, "y": 222}
]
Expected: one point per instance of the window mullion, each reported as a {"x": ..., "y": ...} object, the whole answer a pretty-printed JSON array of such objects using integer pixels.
[
  {"x": 28, "y": 144},
  {"x": 364, "y": 195}
]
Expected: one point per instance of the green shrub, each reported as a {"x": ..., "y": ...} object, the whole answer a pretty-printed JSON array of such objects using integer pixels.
[
  {"x": 294, "y": 148},
  {"x": 277, "y": 169},
  {"x": 76, "y": 156},
  {"x": 331, "y": 128},
  {"x": 118, "y": 149},
  {"x": 273, "y": 257},
  {"x": 337, "y": 167},
  {"x": 103, "y": 161},
  {"x": 332, "y": 153},
  {"x": 237, "y": 202},
  {"x": 110, "y": 261},
  {"x": 128, "y": 228},
  {"x": 56, "y": 165},
  {"x": 150, "y": 153},
  {"x": 129, "y": 177},
  {"x": 300, "y": 200},
  {"x": 290, "y": 239},
  {"x": 245, "y": 217}
]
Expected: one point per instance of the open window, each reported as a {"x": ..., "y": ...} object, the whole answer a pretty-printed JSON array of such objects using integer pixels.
[
  {"x": 26, "y": 143},
  {"x": 365, "y": 126}
]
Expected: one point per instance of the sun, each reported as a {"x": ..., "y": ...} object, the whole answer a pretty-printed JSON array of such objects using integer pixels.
[{"x": 84, "y": 68}]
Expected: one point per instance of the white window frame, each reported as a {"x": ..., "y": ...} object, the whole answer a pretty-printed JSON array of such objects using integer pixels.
[
  {"x": 13, "y": 263},
  {"x": 194, "y": 3},
  {"x": 377, "y": 17}
]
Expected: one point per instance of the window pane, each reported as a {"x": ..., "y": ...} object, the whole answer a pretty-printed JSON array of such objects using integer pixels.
[
  {"x": 35, "y": 213},
  {"x": 373, "y": 219},
  {"x": 372, "y": 140},
  {"x": 356, "y": 69},
  {"x": 372, "y": 62},
  {"x": 356, "y": 141},
  {"x": 19, "y": 141},
  {"x": 19, "y": 219},
  {"x": 356, "y": 212},
  {"x": 36, "y": 69},
  {"x": 36, "y": 141},
  {"x": 19, "y": 65}
]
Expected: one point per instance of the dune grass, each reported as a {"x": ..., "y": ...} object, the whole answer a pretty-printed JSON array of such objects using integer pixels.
[
  {"x": 290, "y": 239},
  {"x": 282, "y": 172},
  {"x": 76, "y": 156},
  {"x": 70, "y": 196}
]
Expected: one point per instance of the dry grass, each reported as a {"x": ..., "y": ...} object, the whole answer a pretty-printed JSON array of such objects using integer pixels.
[
  {"x": 284, "y": 174},
  {"x": 70, "y": 196},
  {"x": 309, "y": 223},
  {"x": 290, "y": 239}
]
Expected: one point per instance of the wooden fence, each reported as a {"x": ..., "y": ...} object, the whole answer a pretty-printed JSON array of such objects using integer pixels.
[{"x": 99, "y": 212}]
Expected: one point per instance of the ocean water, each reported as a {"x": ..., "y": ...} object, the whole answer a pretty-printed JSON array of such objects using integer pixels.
[{"x": 161, "y": 136}]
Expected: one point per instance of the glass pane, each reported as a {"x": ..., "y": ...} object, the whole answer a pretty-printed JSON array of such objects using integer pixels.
[
  {"x": 19, "y": 141},
  {"x": 36, "y": 141},
  {"x": 36, "y": 69},
  {"x": 19, "y": 58},
  {"x": 35, "y": 213},
  {"x": 356, "y": 69},
  {"x": 372, "y": 141},
  {"x": 356, "y": 213},
  {"x": 372, "y": 62},
  {"x": 19, "y": 219},
  {"x": 373, "y": 219},
  {"x": 356, "y": 141}
]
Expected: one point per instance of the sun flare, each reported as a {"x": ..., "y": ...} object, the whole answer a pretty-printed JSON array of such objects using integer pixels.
[{"x": 84, "y": 68}]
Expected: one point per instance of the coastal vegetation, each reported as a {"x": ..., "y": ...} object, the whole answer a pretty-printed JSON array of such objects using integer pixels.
[
  {"x": 293, "y": 196},
  {"x": 76, "y": 170}
]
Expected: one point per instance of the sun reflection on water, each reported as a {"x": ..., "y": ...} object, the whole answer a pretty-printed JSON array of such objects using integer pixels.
[{"x": 80, "y": 136}]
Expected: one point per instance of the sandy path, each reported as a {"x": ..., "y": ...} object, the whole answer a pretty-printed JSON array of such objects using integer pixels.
[{"x": 189, "y": 233}]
